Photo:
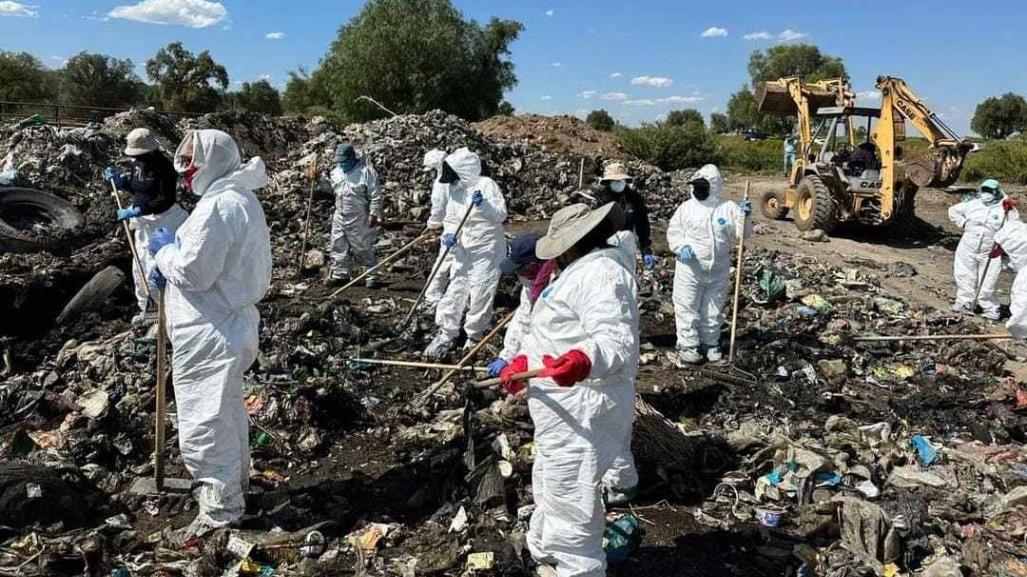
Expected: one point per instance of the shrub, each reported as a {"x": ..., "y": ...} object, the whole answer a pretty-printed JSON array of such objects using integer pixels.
[
  {"x": 600, "y": 120},
  {"x": 734, "y": 153},
  {"x": 1005, "y": 160},
  {"x": 669, "y": 147}
]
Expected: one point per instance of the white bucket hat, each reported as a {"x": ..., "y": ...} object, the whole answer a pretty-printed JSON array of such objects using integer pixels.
[
  {"x": 614, "y": 171},
  {"x": 140, "y": 142},
  {"x": 568, "y": 226}
]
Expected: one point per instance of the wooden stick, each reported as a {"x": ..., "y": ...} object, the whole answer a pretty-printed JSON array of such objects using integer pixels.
[
  {"x": 498, "y": 380},
  {"x": 467, "y": 358},
  {"x": 403, "y": 250},
  {"x": 306, "y": 228},
  {"x": 738, "y": 283},
  {"x": 131, "y": 242},
  {"x": 438, "y": 266},
  {"x": 978, "y": 337},
  {"x": 581, "y": 173},
  {"x": 987, "y": 263},
  {"x": 162, "y": 409},
  {"x": 418, "y": 365}
]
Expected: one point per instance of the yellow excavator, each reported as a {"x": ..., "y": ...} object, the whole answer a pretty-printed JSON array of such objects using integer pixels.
[{"x": 851, "y": 164}]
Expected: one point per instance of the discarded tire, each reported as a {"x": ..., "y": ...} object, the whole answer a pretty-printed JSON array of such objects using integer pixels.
[
  {"x": 93, "y": 294},
  {"x": 31, "y": 220},
  {"x": 772, "y": 205}
]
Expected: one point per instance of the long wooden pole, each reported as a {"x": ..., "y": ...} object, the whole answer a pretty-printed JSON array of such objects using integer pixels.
[
  {"x": 987, "y": 264},
  {"x": 402, "y": 250},
  {"x": 517, "y": 377},
  {"x": 467, "y": 358},
  {"x": 306, "y": 228},
  {"x": 162, "y": 409},
  {"x": 418, "y": 365},
  {"x": 131, "y": 242},
  {"x": 738, "y": 282},
  {"x": 438, "y": 265},
  {"x": 971, "y": 337},
  {"x": 581, "y": 173}
]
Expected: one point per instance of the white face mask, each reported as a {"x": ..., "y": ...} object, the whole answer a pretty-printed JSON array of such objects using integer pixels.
[{"x": 618, "y": 185}]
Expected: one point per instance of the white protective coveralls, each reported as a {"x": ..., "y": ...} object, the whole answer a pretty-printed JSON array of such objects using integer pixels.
[
  {"x": 357, "y": 195},
  {"x": 979, "y": 222},
  {"x": 710, "y": 227},
  {"x": 519, "y": 325},
  {"x": 439, "y": 218},
  {"x": 1013, "y": 239},
  {"x": 592, "y": 306},
  {"x": 144, "y": 227},
  {"x": 218, "y": 268},
  {"x": 480, "y": 248}
]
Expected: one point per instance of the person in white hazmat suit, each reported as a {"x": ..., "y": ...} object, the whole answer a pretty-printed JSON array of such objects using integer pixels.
[
  {"x": 215, "y": 269},
  {"x": 584, "y": 332},
  {"x": 702, "y": 234},
  {"x": 1011, "y": 247},
  {"x": 358, "y": 210},
  {"x": 477, "y": 251},
  {"x": 438, "y": 219},
  {"x": 980, "y": 218},
  {"x": 153, "y": 183}
]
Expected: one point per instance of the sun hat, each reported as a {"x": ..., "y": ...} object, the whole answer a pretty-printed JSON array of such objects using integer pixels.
[
  {"x": 140, "y": 142},
  {"x": 614, "y": 171},
  {"x": 568, "y": 226}
]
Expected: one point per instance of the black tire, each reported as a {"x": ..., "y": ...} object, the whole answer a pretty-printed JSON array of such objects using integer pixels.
[
  {"x": 815, "y": 209},
  {"x": 93, "y": 294},
  {"x": 24, "y": 207},
  {"x": 772, "y": 205}
]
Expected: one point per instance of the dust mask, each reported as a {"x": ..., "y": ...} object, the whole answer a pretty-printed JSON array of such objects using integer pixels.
[{"x": 618, "y": 186}]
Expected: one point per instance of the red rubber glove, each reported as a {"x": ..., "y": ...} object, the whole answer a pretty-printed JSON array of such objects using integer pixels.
[
  {"x": 567, "y": 369},
  {"x": 997, "y": 252},
  {"x": 1008, "y": 203},
  {"x": 519, "y": 364}
]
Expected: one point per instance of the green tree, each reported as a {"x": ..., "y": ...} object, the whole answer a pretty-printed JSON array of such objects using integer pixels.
[
  {"x": 185, "y": 81},
  {"x": 1000, "y": 117},
  {"x": 414, "y": 56},
  {"x": 100, "y": 80},
  {"x": 305, "y": 93},
  {"x": 802, "y": 60},
  {"x": 685, "y": 117},
  {"x": 600, "y": 120},
  {"x": 742, "y": 111},
  {"x": 719, "y": 123},
  {"x": 257, "y": 96},
  {"x": 669, "y": 147},
  {"x": 24, "y": 78}
]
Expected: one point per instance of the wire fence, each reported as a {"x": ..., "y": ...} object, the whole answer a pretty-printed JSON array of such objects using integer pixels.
[{"x": 63, "y": 114}]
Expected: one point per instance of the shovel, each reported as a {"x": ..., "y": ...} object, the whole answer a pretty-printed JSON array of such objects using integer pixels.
[
  {"x": 158, "y": 484},
  {"x": 435, "y": 270},
  {"x": 738, "y": 284}
]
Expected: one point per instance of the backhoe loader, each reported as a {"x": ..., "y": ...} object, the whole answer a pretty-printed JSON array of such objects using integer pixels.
[{"x": 852, "y": 164}]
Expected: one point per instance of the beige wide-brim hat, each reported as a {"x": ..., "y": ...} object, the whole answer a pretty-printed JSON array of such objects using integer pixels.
[
  {"x": 568, "y": 226},
  {"x": 614, "y": 171},
  {"x": 140, "y": 142}
]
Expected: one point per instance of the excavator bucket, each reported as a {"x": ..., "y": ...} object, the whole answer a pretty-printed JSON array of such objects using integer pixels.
[
  {"x": 772, "y": 97},
  {"x": 935, "y": 167}
]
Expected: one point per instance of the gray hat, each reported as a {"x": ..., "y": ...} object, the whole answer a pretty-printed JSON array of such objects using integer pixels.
[
  {"x": 141, "y": 142},
  {"x": 568, "y": 226}
]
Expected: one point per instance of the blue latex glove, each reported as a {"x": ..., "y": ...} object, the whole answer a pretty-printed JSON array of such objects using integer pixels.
[
  {"x": 477, "y": 198},
  {"x": 449, "y": 240},
  {"x": 161, "y": 238},
  {"x": 496, "y": 367},
  {"x": 746, "y": 207},
  {"x": 129, "y": 212},
  {"x": 110, "y": 174},
  {"x": 686, "y": 254},
  {"x": 157, "y": 279},
  {"x": 650, "y": 260}
]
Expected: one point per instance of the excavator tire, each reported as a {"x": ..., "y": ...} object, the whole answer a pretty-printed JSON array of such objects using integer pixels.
[
  {"x": 814, "y": 208},
  {"x": 772, "y": 205}
]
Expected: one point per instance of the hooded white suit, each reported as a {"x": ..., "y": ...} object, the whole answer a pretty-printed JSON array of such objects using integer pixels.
[
  {"x": 217, "y": 269},
  {"x": 710, "y": 227},
  {"x": 480, "y": 248},
  {"x": 979, "y": 222},
  {"x": 357, "y": 195},
  {"x": 1013, "y": 239},
  {"x": 439, "y": 218}
]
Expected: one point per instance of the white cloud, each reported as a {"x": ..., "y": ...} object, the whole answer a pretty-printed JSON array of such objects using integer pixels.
[
  {"x": 761, "y": 35},
  {"x": 586, "y": 94},
  {"x": 545, "y": 98},
  {"x": 275, "y": 35},
  {"x": 558, "y": 65},
  {"x": 191, "y": 13},
  {"x": 693, "y": 99},
  {"x": 613, "y": 96},
  {"x": 550, "y": 12},
  {"x": 714, "y": 32},
  {"x": 616, "y": 75},
  {"x": 789, "y": 35},
  {"x": 656, "y": 81},
  {"x": 869, "y": 95},
  {"x": 265, "y": 76},
  {"x": 8, "y": 8}
]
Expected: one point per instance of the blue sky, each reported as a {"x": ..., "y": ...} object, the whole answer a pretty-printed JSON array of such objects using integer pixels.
[{"x": 637, "y": 59}]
